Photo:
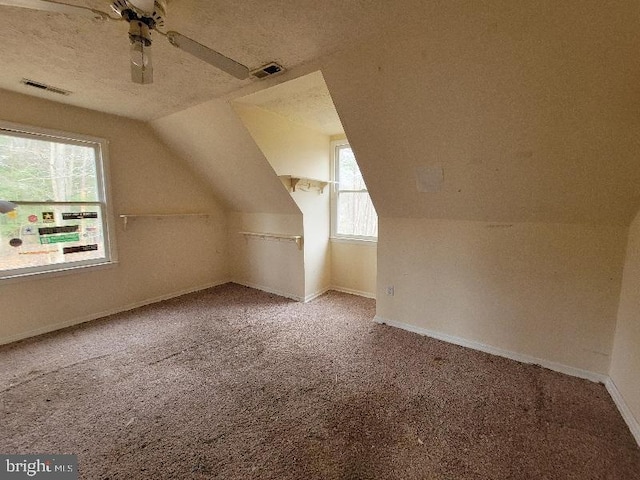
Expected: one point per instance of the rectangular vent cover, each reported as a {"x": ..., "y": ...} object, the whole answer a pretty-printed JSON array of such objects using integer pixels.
[
  {"x": 267, "y": 70},
  {"x": 43, "y": 86}
]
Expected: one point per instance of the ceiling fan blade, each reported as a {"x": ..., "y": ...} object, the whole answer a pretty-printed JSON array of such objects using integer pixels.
[
  {"x": 50, "y": 6},
  {"x": 210, "y": 56},
  {"x": 141, "y": 75}
]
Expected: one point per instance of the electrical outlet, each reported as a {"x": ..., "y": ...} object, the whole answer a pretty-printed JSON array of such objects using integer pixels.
[{"x": 391, "y": 290}]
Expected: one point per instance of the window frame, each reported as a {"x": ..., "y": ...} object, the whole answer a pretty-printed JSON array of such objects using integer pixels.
[
  {"x": 100, "y": 146},
  {"x": 335, "y": 194}
]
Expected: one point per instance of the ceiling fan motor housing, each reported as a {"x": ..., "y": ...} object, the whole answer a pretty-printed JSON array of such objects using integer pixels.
[{"x": 129, "y": 12}]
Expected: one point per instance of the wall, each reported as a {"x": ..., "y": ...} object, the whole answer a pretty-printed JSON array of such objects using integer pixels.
[
  {"x": 157, "y": 259},
  {"x": 545, "y": 291},
  {"x": 625, "y": 362},
  {"x": 219, "y": 147},
  {"x": 293, "y": 149},
  {"x": 271, "y": 265},
  {"x": 354, "y": 267}
]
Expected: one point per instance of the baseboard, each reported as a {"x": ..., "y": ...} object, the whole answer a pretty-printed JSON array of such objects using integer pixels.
[
  {"x": 105, "y": 313},
  {"x": 313, "y": 296},
  {"x": 624, "y": 409},
  {"x": 306, "y": 298},
  {"x": 351, "y": 291},
  {"x": 519, "y": 357},
  {"x": 269, "y": 290}
]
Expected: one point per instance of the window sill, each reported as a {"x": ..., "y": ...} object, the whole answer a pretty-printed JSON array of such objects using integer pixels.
[
  {"x": 356, "y": 241},
  {"x": 57, "y": 273}
]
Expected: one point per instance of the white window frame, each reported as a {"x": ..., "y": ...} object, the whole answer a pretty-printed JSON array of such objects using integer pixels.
[
  {"x": 100, "y": 146},
  {"x": 335, "y": 193}
]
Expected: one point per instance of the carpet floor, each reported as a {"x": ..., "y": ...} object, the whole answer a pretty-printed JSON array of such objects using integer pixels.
[{"x": 234, "y": 383}]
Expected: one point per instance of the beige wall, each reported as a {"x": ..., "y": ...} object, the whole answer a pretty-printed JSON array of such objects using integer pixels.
[
  {"x": 293, "y": 149},
  {"x": 317, "y": 256},
  {"x": 547, "y": 291},
  {"x": 157, "y": 258},
  {"x": 625, "y": 362},
  {"x": 272, "y": 265},
  {"x": 219, "y": 147},
  {"x": 354, "y": 267}
]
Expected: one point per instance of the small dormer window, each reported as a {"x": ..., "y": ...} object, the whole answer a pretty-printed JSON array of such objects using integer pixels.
[{"x": 353, "y": 213}]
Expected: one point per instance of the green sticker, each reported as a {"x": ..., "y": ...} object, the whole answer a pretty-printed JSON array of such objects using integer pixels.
[{"x": 72, "y": 237}]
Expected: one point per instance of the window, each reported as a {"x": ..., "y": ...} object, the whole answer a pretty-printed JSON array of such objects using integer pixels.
[
  {"x": 353, "y": 213},
  {"x": 56, "y": 182}
]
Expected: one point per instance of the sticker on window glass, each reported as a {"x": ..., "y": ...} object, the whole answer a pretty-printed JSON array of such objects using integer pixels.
[
  {"x": 53, "y": 230},
  {"x": 90, "y": 231},
  {"x": 33, "y": 218},
  {"x": 47, "y": 217},
  {"x": 15, "y": 242},
  {"x": 29, "y": 230},
  {"x": 79, "y": 215},
  {"x": 80, "y": 249},
  {"x": 69, "y": 237}
]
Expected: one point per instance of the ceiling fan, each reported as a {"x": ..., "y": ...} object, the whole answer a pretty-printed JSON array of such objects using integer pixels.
[{"x": 143, "y": 16}]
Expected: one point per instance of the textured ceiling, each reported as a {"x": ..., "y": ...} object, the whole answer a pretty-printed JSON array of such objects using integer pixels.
[
  {"x": 304, "y": 100},
  {"x": 90, "y": 58}
]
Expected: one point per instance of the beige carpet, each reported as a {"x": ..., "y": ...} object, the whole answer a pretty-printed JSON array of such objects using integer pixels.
[{"x": 233, "y": 383}]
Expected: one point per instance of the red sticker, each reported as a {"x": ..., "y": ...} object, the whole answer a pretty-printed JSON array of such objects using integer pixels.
[{"x": 33, "y": 218}]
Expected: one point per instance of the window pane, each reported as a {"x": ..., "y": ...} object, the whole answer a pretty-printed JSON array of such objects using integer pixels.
[
  {"x": 34, "y": 236},
  {"x": 356, "y": 215},
  {"x": 56, "y": 183},
  {"x": 39, "y": 170},
  {"x": 348, "y": 172}
]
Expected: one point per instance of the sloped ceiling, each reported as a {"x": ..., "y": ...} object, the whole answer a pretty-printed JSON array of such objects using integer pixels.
[
  {"x": 530, "y": 110},
  {"x": 304, "y": 100},
  {"x": 90, "y": 58},
  {"x": 217, "y": 145}
]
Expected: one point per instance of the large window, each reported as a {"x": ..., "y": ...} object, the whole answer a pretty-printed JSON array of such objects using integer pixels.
[
  {"x": 57, "y": 219},
  {"x": 353, "y": 213}
]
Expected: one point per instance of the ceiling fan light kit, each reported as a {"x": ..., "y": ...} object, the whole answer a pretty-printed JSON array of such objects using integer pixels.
[
  {"x": 146, "y": 6},
  {"x": 144, "y": 17},
  {"x": 140, "y": 53}
]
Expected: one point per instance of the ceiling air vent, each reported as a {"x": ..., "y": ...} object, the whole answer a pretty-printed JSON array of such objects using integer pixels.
[
  {"x": 267, "y": 70},
  {"x": 43, "y": 86}
]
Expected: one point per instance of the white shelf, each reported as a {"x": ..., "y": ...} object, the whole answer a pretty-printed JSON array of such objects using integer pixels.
[
  {"x": 126, "y": 216},
  {"x": 293, "y": 182},
  {"x": 275, "y": 236}
]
